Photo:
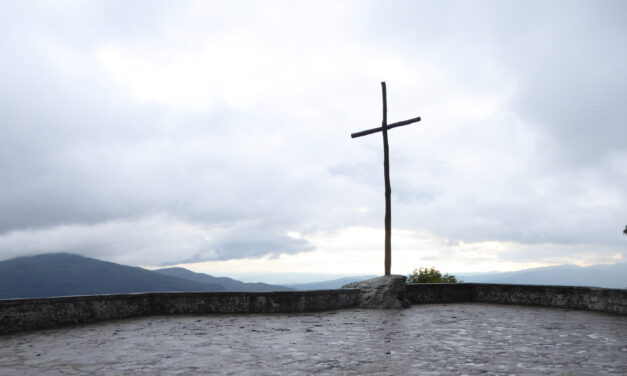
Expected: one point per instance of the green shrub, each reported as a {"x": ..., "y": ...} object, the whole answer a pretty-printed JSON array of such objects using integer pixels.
[{"x": 431, "y": 275}]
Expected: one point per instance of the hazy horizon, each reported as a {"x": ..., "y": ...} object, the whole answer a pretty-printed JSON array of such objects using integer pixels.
[{"x": 598, "y": 275}]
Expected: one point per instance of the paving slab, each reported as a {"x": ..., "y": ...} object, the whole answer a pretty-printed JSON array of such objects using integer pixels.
[{"x": 430, "y": 339}]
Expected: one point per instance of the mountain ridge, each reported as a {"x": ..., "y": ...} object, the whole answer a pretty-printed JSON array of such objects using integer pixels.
[
  {"x": 229, "y": 284},
  {"x": 329, "y": 284},
  {"x": 599, "y": 275},
  {"x": 66, "y": 274}
]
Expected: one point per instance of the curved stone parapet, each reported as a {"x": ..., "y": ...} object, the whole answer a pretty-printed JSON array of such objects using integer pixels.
[
  {"x": 384, "y": 292},
  {"x": 574, "y": 297},
  {"x": 25, "y": 314}
]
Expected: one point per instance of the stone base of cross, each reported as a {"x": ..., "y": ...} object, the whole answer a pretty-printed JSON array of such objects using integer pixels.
[{"x": 386, "y": 171}]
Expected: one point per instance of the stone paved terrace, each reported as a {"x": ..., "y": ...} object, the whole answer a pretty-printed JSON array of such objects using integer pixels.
[{"x": 442, "y": 339}]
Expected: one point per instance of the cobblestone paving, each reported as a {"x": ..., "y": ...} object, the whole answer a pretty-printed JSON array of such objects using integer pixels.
[{"x": 450, "y": 339}]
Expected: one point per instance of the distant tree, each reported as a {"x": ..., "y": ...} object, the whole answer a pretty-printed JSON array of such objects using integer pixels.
[
  {"x": 430, "y": 275},
  {"x": 625, "y": 230}
]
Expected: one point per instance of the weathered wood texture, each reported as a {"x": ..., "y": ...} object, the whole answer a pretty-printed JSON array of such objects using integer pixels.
[
  {"x": 386, "y": 173},
  {"x": 390, "y": 126},
  {"x": 388, "y": 187}
]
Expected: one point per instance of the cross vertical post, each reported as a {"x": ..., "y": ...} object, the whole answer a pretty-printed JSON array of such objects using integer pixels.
[
  {"x": 388, "y": 187},
  {"x": 386, "y": 173}
]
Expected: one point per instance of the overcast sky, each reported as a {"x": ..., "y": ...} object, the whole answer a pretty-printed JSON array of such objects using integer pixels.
[{"x": 216, "y": 135}]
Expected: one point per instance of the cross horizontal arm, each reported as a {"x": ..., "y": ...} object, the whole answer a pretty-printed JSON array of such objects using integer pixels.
[{"x": 389, "y": 126}]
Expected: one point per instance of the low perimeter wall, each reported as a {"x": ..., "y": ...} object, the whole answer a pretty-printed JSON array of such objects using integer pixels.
[
  {"x": 590, "y": 298},
  {"x": 25, "y": 314}
]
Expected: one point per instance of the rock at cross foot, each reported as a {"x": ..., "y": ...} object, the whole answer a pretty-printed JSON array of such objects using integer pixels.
[{"x": 387, "y": 292}]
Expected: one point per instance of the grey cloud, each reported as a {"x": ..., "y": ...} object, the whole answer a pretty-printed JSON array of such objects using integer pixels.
[
  {"x": 87, "y": 168},
  {"x": 257, "y": 239},
  {"x": 78, "y": 155},
  {"x": 566, "y": 61},
  {"x": 154, "y": 240}
]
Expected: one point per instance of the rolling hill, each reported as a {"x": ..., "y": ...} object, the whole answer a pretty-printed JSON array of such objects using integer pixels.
[
  {"x": 63, "y": 274},
  {"x": 601, "y": 275},
  {"x": 229, "y": 284},
  {"x": 330, "y": 284}
]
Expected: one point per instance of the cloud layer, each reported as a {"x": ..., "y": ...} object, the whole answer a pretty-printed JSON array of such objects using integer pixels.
[{"x": 162, "y": 133}]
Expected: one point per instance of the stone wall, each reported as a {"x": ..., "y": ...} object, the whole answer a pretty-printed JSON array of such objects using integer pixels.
[
  {"x": 590, "y": 298},
  {"x": 25, "y": 314},
  {"x": 422, "y": 293}
]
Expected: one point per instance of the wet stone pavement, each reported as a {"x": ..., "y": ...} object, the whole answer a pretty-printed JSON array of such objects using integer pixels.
[{"x": 438, "y": 339}]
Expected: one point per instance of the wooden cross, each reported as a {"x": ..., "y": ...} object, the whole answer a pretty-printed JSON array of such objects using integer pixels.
[{"x": 386, "y": 171}]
